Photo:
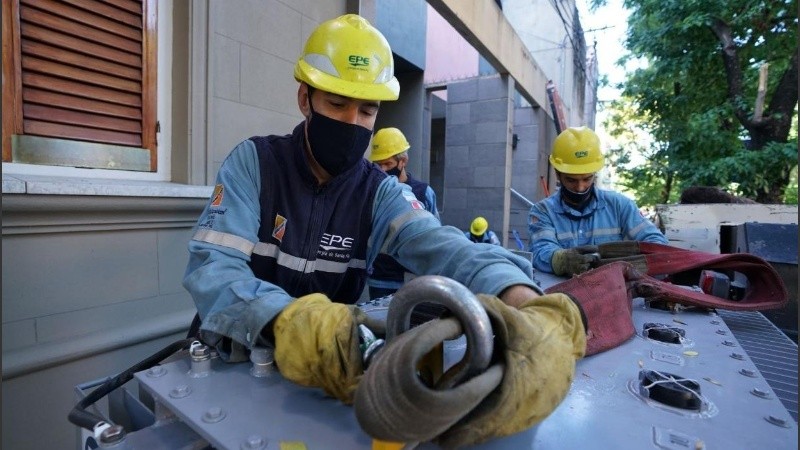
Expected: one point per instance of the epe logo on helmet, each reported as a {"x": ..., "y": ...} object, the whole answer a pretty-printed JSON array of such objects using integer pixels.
[
  {"x": 358, "y": 61},
  {"x": 582, "y": 153}
]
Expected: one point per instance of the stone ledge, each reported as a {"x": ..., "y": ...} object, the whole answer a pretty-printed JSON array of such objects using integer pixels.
[
  {"x": 35, "y": 214},
  {"x": 54, "y": 185}
]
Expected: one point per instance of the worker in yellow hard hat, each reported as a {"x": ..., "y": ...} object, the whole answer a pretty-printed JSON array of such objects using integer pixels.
[
  {"x": 390, "y": 152},
  {"x": 566, "y": 227},
  {"x": 283, "y": 248},
  {"x": 479, "y": 232}
]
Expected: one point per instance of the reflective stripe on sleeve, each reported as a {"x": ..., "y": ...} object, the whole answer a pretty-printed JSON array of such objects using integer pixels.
[
  {"x": 224, "y": 240},
  {"x": 394, "y": 225},
  {"x": 635, "y": 230},
  {"x": 606, "y": 232}
]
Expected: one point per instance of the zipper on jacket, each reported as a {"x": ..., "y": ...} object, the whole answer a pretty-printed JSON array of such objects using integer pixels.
[{"x": 311, "y": 242}]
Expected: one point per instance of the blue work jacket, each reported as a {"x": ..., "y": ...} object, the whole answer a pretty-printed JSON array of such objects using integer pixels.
[
  {"x": 609, "y": 217},
  {"x": 270, "y": 233},
  {"x": 386, "y": 272}
]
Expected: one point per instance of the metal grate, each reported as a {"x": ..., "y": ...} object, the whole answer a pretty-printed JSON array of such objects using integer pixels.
[{"x": 771, "y": 351}]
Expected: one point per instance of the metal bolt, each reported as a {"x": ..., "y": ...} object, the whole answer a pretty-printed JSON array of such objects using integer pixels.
[
  {"x": 738, "y": 356},
  {"x": 748, "y": 373},
  {"x": 214, "y": 415},
  {"x": 201, "y": 360},
  {"x": 262, "y": 359},
  {"x": 199, "y": 351},
  {"x": 722, "y": 332},
  {"x": 180, "y": 391},
  {"x": 112, "y": 434},
  {"x": 715, "y": 322},
  {"x": 253, "y": 442},
  {"x": 156, "y": 371},
  {"x": 777, "y": 421},
  {"x": 760, "y": 394},
  {"x": 729, "y": 343}
]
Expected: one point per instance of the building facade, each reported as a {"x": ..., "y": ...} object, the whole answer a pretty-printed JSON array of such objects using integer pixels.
[{"x": 116, "y": 120}]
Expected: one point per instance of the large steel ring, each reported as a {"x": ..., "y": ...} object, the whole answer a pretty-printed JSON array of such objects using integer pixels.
[{"x": 461, "y": 302}]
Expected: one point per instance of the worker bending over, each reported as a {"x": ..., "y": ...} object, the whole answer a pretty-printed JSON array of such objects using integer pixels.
[
  {"x": 281, "y": 250},
  {"x": 566, "y": 226}
]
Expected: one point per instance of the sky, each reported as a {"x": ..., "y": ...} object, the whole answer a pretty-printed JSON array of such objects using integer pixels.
[{"x": 606, "y": 26}]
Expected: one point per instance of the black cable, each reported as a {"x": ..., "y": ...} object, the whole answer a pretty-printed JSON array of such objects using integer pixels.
[
  {"x": 569, "y": 28},
  {"x": 194, "y": 328},
  {"x": 84, "y": 419}
]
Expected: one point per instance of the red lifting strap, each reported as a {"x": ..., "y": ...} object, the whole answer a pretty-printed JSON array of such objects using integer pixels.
[
  {"x": 765, "y": 288},
  {"x": 605, "y": 297}
]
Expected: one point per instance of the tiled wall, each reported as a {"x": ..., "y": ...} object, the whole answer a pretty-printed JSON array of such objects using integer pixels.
[{"x": 478, "y": 152}]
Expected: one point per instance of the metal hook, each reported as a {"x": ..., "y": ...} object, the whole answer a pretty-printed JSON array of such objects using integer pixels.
[{"x": 459, "y": 300}]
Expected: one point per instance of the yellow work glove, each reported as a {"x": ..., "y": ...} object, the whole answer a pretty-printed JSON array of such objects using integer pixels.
[
  {"x": 316, "y": 345},
  {"x": 539, "y": 344},
  {"x": 573, "y": 261}
]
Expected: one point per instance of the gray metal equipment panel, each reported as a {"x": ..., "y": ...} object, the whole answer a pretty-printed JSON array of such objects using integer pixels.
[
  {"x": 232, "y": 409},
  {"x": 603, "y": 409},
  {"x": 773, "y": 353}
]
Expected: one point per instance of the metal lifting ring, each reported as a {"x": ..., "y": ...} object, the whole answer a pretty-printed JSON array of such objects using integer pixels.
[{"x": 460, "y": 301}]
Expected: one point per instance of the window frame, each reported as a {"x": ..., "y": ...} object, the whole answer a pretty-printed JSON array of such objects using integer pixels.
[{"x": 53, "y": 151}]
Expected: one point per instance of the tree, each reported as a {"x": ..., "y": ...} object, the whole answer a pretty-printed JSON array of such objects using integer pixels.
[
  {"x": 638, "y": 162},
  {"x": 697, "y": 94}
]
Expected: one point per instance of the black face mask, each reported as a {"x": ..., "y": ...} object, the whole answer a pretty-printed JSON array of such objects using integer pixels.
[
  {"x": 396, "y": 171},
  {"x": 337, "y": 146},
  {"x": 577, "y": 200}
]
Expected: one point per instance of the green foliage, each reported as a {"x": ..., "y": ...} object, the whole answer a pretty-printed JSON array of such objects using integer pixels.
[
  {"x": 754, "y": 172},
  {"x": 790, "y": 195},
  {"x": 682, "y": 101}
]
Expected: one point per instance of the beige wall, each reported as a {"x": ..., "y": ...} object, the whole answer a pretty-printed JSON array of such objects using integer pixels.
[
  {"x": 253, "y": 47},
  {"x": 545, "y": 36},
  {"x": 91, "y": 285},
  {"x": 92, "y": 266}
]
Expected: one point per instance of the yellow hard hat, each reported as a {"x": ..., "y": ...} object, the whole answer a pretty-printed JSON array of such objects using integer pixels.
[
  {"x": 349, "y": 57},
  {"x": 576, "y": 151},
  {"x": 386, "y": 143},
  {"x": 479, "y": 226}
]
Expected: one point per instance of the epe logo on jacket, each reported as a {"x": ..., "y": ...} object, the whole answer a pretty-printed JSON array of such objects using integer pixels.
[
  {"x": 280, "y": 227},
  {"x": 333, "y": 246}
]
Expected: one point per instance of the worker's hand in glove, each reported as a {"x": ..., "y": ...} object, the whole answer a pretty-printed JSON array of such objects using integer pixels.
[
  {"x": 573, "y": 261},
  {"x": 316, "y": 345},
  {"x": 538, "y": 344}
]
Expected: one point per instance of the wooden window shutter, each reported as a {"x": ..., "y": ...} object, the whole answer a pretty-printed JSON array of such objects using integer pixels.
[{"x": 86, "y": 71}]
